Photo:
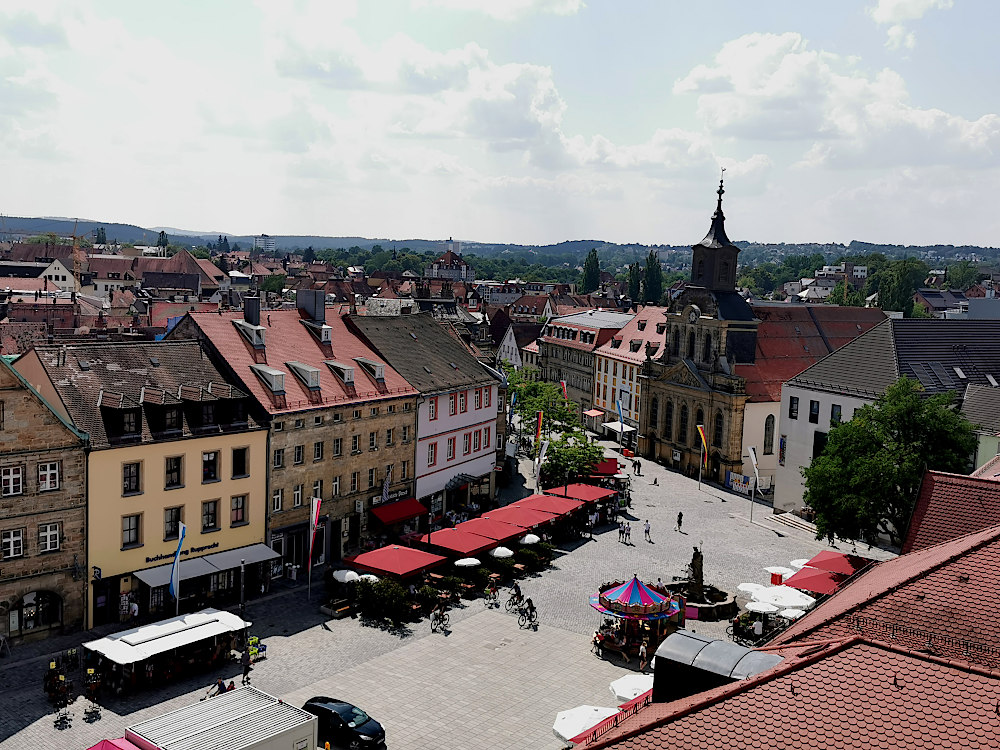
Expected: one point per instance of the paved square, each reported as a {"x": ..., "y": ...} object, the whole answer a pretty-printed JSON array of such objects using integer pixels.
[{"x": 487, "y": 683}]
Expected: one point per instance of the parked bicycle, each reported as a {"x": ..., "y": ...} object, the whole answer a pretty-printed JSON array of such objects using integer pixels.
[{"x": 439, "y": 619}]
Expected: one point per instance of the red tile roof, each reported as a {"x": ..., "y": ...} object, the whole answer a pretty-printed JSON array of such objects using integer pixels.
[
  {"x": 943, "y": 595},
  {"x": 791, "y": 337},
  {"x": 850, "y": 695},
  {"x": 646, "y": 319},
  {"x": 288, "y": 340},
  {"x": 950, "y": 506},
  {"x": 989, "y": 470},
  {"x": 17, "y": 284}
]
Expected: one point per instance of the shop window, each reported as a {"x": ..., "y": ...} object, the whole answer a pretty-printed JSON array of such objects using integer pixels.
[{"x": 35, "y": 611}]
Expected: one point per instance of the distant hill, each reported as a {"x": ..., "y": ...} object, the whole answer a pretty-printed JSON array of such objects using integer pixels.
[{"x": 567, "y": 252}]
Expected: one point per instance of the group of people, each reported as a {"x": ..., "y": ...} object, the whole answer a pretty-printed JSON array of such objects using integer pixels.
[
  {"x": 221, "y": 687},
  {"x": 614, "y": 637}
]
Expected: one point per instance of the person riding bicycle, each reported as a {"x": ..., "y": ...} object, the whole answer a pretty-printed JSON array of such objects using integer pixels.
[
  {"x": 491, "y": 590},
  {"x": 439, "y": 611},
  {"x": 515, "y": 589},
  {"x": 529, "y": 609}
]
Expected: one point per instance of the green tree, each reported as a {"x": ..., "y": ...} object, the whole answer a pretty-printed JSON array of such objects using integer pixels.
[
  {"x": 962, "y": 275},
  {"x": 846, "y": 295},
  {"x": 273, "y": 284},
  {"x": 634, "y": 281},
  {"x": 222, "y": 264},
  {"x": 652, "y": 286},
  {"x": 865, "y": 481},
  {"x": 308, "y": 255},
  {"x": 897, "y": 282},
  {"x": 533, "y": 396},
  {"x": 100, "y": 236},
  {"x": 591, "y": 272},
  {"x": 162, "y": 241},
  {"x": 569, "y": 457}
]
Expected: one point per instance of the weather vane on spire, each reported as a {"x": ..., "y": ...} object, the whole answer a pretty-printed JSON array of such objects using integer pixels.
[{"x": 720, "y": 191}]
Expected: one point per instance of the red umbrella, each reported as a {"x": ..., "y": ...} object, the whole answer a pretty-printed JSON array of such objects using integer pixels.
[
  {"x": 397, "y": 561},
  {"x": 816, "y": 580},
  {"x": 838, "y": 562}
]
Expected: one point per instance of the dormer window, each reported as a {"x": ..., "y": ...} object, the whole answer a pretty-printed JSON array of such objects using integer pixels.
[
  {"x": 641, "y": 325},
  {"x": 615, "y": 343},
  {"x": 207, "y": 414},
  {"x": 634, "y": 345},
  {"x": 130, "y": 422},
  {"x": 375, "y": 369},
  {"x": 660, "y": 328},
  {"x": 172, "y": 419},
  {"x": 342, "y": 371}
]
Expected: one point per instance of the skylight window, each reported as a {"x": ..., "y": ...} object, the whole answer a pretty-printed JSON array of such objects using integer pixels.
[
  {"x": 992, "y": 380},
  {"x": 958, "y": 371}
]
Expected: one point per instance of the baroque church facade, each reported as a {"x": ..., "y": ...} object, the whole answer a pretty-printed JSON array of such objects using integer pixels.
[{"x": 692, "y": 381}]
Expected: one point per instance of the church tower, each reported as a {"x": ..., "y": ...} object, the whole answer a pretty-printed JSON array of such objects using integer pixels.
[{"x": 713, "y": 264}]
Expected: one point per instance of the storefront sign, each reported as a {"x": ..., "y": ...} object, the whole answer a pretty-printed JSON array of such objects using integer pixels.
[
  {"x": 394, "y": 495},
  {"x": 188, "y": 551}
]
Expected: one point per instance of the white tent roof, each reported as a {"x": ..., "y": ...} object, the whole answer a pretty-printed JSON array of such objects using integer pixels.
[
  {"x": 617, "y": 427},
  {"x": 141, "y": 643}
]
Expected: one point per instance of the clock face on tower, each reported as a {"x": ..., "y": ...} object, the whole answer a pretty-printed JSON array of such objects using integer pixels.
[{"x": 693, "y": 316}]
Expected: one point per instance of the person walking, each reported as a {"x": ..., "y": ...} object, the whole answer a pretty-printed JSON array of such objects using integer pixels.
[
  {"x": 245, "y": 662},
  {"x": 643, "y": 660},
  {"x": 638, "y": 467},
  {"x": 645, "y": 531},
  {"x": 621, "y": 531},
  {"x": 628, "y": 533},
  {"x": 680, "y": 520}
]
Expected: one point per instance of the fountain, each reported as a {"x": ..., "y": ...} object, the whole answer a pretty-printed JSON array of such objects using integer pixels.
[{"x": 703, "y": 601}]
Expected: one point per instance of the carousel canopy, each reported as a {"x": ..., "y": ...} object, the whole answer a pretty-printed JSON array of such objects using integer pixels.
[
  {"x": 634, "y": 600},
  {"x": 633, "y": 592}
]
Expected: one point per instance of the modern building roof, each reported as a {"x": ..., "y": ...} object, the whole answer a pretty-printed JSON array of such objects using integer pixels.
[
  {"x": 981, "y": 406},
  {"x": 792, "y": 337},
  {"x": 950, "y": 506},
  {"x": 942, "y": 355},
  {"x": 340, "y": 378},
  {"x": 647, "y": 328},
  {"x": 421, "y": 350},
  {"x": 595, "y": 319},
  {"x": 941, "y": 599},
  {"x": 92, "y": 377},
  {"x": 837, "y": 697}
]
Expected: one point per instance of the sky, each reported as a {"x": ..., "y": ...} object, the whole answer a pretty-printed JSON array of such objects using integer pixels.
[{"x": 526, "y": 121}]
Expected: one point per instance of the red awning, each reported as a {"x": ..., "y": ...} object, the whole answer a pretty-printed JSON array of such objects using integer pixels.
[
  {"x": 815, "y": 580},
  {"x": 399, "y": 511},
  {"x": 501, "y": 532},
  {"x": 838, "y": 562},
  {"x": 593, "y": 413},
  {"x": 608, "y": 466},
  {"x": 456, "y": 540},
  {"x": 586, "y": 492},
  {"x": 551, "y": 504},
  {"x": 397, "y": 561},
  {"x": 517, "y": 516}
]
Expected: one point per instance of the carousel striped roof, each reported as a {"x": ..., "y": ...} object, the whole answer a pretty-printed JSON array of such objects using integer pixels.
[{"x": 633, "y": 592}]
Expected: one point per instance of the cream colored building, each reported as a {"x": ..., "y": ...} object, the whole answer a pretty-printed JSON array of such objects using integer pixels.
[{"x": 171, "y": 444}]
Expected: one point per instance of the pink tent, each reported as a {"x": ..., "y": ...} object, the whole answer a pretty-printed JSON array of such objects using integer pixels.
[{"x": 118, "y": 744}]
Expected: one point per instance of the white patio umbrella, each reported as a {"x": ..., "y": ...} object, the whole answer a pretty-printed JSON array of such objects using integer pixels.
[
  {"x": 784, "y": 596},
  {"x": 370, "y": 577},
  {"x": 791, "y": 614},
  {"x": 761, "y": 607},
  {"x": 779, "y": 570},
  {"x": 467, "y": 562},
  {"x": 800, "y": 562},
  {"x": 530, "y": 539},
  {"x": 751, "y": 588},
  {"x": 345, "y": 576},
  {"x": 501, "y": 552},
  {"x": 631, "y": 686},
  {"x": 577, "y": 720}
]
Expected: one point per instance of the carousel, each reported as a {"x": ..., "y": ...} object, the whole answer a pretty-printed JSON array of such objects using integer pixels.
[{"x": 636, "y": 613}]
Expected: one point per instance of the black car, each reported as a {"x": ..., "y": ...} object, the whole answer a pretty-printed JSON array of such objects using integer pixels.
[{"x": 345, "y": 725}]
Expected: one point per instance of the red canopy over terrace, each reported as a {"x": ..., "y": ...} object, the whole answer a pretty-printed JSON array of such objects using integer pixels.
[
  {"x": 397, "y": 561},
  {"x": 456, "y": 540},
  {"x": 501, "y": 532},
  {"x": 607, "y": 467},
  {"x": 838, "y": 562},
  {"x": 551, "y": 504},
  {"x": 516, "y": 515},
  {"x": 399, "y": 511},
  {"x": 815, "y": 580},
  {"x": 588, "y": 493}
]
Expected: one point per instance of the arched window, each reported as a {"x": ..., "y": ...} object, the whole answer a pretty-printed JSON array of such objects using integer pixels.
[
  {"x": 769, "y": 435},
  {"x": 675, "y": 347},
  {"x": 724, "y": 271},
  {"x": 706, "y": 350},
  {"x": 717, "y": 430},
  {"x": 699, "y": 418},
  {"x": 682, "y": 435},
  {"x": 654, "y": 413},
  {"x": 668, "y": 421},
  {"x": 691, "y": 345}
]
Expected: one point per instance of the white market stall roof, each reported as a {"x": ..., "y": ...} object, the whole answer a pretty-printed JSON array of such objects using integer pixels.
[{"x": 143, "y": 642}]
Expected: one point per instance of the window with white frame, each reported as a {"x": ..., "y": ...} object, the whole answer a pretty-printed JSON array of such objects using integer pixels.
[
  {"x": 48, "y": 537},
  {"x": 463, "y": 401},
  {"x": 12, "y": 543},
  {"x": 12, "y": 480},
  {"x": 277, "y": 497},
  {"x": 338, "y": 446},
  {"x": 451, "y": 448},
  {"x": 432, "y": 454},
  {"x": 487, "y": 397},
  {"x": 318, "y": 451},
  {"x": 372, "y": 477},
  {"x": 372, "y": 440},
  {"x": 299, "y": 454},
  {"x": 48, "y": 476},
  {"x": 476, "y": 437},
  {"x": 486, "y": 437},
  {"x": 466, "y": 444},
  {"x": 355, "y": 480},
  {"x": 404, "y": 470},
  {"x": 297, "y": 495},
  {"x": 479, "y": 398},
  {"x": 318, "y": 488},
  {"x": 406, "y": 432},
  {"x": 355, "y": 443},
  {"x": 451, "y": 404},
  {"x": 335, "y": 486},
  {"x": 388, "y": 436}
]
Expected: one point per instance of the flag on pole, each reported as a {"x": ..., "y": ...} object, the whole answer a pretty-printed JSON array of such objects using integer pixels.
[
  {"x": 313, "y": 523},
  {"x": 753, "y": 460},
  {"x": 704, "y": 445},
  {"x": 175, "y": 569},
  {"x": 541, "y": 456},
  {"x": 563, "y": 384},
  {"x": 513, "y": 400},
  {"x": 385, "y": 485},
  {"x": 621, "y": 419},
  {"x": 538, "y": 428}
]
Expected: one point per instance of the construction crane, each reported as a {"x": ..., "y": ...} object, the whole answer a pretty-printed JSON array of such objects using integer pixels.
[{"x": 77, "y": 258}]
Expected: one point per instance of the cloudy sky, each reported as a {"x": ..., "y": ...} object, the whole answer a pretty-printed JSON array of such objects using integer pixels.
[{"x": 526, "y": 121}]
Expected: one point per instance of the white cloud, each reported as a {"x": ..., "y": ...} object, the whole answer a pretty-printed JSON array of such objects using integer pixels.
[
  {"x": 506, "y": 10},
  {"x": 897, "y": 12},
  {"x": 775, "y": 87}
]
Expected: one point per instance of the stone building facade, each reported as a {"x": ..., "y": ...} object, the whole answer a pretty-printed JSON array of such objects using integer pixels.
[{"x": 43, "y": 504}]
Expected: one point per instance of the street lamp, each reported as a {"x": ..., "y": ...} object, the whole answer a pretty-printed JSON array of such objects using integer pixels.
[{"x": 243, "y": 601}]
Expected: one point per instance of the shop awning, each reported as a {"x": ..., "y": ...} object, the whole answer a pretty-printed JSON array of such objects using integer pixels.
[
  {"x": 141, "y": 643},
  {"x": 815, "y": 580},
  {"x": 497, "y": 530},
  {"x": 515, "y": 515},
  {"x": 551, "y": 504},
  {"x": 594, "y": 413},
  {"x": 397, "y": 561},
  {"x": 586, "y": 492},
  {"x": 399, "y": 511},
  {"x": 231, "y": 558},
  {"x": 617, "y": 427},
  {"x": 463, "y": 542},
  {"x": 459, "y": 481},
  {"x": 608, "y": 466},
  {"x": 191, "y": 568},
  {"x": 838, "y": 562}
]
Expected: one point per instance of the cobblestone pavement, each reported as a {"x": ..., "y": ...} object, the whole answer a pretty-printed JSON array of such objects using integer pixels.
[{"x": 486, "y": 681}]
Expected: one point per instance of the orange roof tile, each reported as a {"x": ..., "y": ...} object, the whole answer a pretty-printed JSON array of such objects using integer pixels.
[{"x": 950, "y": 506}]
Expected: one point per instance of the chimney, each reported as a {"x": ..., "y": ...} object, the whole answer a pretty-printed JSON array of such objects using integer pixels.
[{"x": 251, "y": 310}]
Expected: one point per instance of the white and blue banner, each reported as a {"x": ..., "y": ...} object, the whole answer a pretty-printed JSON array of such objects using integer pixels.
[{"x": 175, "y": 569}]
